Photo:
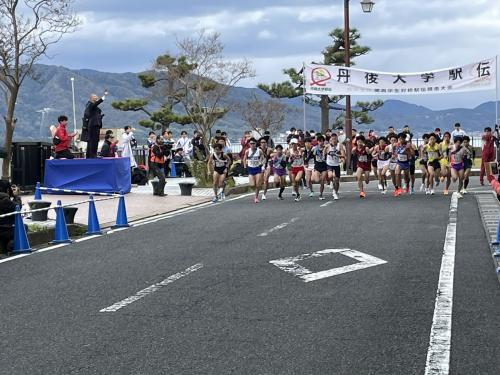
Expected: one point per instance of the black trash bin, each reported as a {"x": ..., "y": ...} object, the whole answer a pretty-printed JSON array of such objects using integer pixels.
[
  {"x": 69, "y": 214},
  {"x": 40, "y": 215},
  {"x": 28, "y": 163},
  {"x": 186, "y": 188}
]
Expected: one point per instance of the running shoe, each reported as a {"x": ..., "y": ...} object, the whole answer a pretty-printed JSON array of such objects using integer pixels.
[
  {"x": 294, "y": 194},
  {"x": 427, "y": 191},
  {"x": 321, "y": 198},
  {"x": 335, "y": 196},
  {"x": 215, "y": 200},
  {"x": 384, "y": 192},
  {"x": 256, "y": 200},
  {"x": 459, "y": 195},
  {"x": 362, "y": 194},
  {"x": 297, "y": 198},
  {"x": 280, "y": 198},
  {"x": 264, "y": 197},
  {"x": 311, "y": 194},
  {"x": 412, "y": 191},
  {"x": 464, "y": 191},
  {"x": 446, "y": 192},
  {"x": 380, "y": 187},
  {"x": 432, "y": 191},
  {"x": 395, "y": 193}
]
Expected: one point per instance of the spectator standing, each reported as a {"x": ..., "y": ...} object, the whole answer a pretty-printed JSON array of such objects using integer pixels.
[
  {"x": 150, "y": 142},
  {"x": 437, "y": 133},
  {"x": 198, "y": 148},
  {"x": 168, "y": 144},
  {"x": 270, "y": 141},
  {"x": 92, "y": 119},
  {"x": 244, "y": 143},
  {"x": 7, "y": 205},
  {"x": 488, "y": 151},
  {"x": 62, "y": 139},
  {"x": 457, "y": 132},
  {"x": 185, "y": 143},
  {"x": 108, "y": 149},
  {"x": 127, "y": 140},
  {"x": 180, "y": 163},
  {"x": 157, "y": 165}
]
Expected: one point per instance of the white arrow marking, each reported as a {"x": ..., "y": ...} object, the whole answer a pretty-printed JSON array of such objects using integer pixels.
[{"x": 291, "y": 265}]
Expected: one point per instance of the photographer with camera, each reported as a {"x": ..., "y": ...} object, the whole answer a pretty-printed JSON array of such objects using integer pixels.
[
  {"x": 8, "y": 202},
  {"x": 92, "y": 124},
  {"x": 128, "y": 141},
  {"x": 157, "y": 160},
  {"x": 168, "y": 145}
]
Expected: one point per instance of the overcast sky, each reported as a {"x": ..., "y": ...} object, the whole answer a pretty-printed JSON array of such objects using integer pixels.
[{"x": 405, "y": 35}]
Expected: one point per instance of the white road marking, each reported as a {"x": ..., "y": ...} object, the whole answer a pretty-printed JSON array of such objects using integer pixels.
[
  {"x": 326, "y": 204},
  {"x": 438, "y": 354},
  {"x": 51, "y": 248},
  {"x": 14, "y": 257},
  {"x": 88, "y": 238},
  {"x": 291, "y": 265},
  {"x": 277, "y": 227},
  {"x": 151, "y": 289}
]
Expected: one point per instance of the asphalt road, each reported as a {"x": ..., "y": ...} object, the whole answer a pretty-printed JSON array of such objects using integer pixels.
[{"x": 241, "y": 314}]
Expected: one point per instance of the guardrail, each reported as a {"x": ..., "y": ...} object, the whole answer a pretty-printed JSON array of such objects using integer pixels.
[{"x": 21, "y": 243}]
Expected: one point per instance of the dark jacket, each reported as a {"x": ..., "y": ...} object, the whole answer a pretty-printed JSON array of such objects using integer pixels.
[
  {"x": 199, "y": 150},
  {"x": 6, "y": 206},
  {"x": 108, "y": 150},
  {"x": 94, "y": 114}
]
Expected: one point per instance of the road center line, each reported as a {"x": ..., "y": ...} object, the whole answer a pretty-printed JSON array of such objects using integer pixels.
[
  {"x": 438, "y": 354},
  {"x": 277, "y": 227},
  {"x": 151, "y": 289}
]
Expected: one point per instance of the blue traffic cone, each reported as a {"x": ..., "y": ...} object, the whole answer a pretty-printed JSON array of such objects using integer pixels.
[
  {"x": 121, "y": 216},
  {"x": 61, "y": 230},
  {"x": 93, "y": 226},
  {"x": 173, "y": 173},
  {"x": 38, "y": 193},
  {"x": 21, "y": 244}
]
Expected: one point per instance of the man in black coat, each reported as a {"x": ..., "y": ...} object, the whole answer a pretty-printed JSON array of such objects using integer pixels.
[{"x": 93, "y": 117}]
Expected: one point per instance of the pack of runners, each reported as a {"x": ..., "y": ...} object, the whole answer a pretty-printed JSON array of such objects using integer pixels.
[{"x": 319, "y": 160}]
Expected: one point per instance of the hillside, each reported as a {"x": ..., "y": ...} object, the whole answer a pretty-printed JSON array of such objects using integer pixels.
[{"x": 52, "y": 89}]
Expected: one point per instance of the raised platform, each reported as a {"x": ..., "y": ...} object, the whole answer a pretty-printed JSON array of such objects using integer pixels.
[{"x": 106, "y": 175}]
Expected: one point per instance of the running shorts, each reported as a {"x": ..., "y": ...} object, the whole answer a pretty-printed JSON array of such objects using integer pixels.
[
  {"x": 219, "y": 170},
  {"x": 381, "y": 164},
  {"x": 296, "y": 170},
  {"x": 364, "y": 165},
  {"x": 279, "y": 171},
  {"x": 253, "y": 171},
  {"x": 335, "y": 169},
  {"x": 320, "y": 167},
  {"x": 434, "y": 164},
  {"x": 404, "y": 166},
  {"x": 458, "y": 166}
]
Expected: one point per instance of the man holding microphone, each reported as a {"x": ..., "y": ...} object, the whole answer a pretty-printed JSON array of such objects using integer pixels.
[{"x": 92, "y": 124}]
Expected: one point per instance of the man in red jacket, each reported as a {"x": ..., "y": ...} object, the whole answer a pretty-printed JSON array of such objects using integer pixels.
[{"x": 62, "y": 139}]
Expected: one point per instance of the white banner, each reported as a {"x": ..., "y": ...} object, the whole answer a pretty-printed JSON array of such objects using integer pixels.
[{"x": 338, "y": 80}]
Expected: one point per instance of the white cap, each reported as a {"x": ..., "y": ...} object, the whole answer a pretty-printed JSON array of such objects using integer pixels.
[{"x": 294, "y": 140}]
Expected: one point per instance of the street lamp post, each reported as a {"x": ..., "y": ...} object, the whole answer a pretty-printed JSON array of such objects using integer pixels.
[
  {"x": 74, "y": 108},
  {"x": 367, "y": 6}
]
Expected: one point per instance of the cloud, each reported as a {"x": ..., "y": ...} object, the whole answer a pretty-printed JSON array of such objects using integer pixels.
[{"x": 405, "y": 35}]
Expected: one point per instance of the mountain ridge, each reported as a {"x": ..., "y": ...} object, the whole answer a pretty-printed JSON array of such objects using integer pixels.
[{"x": 52, "y": 89}]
